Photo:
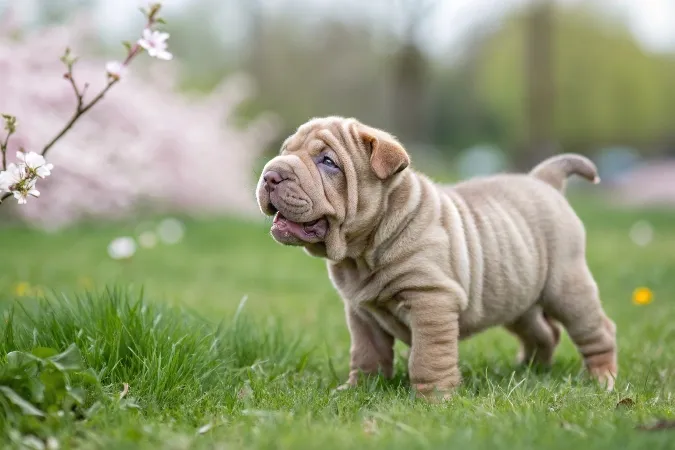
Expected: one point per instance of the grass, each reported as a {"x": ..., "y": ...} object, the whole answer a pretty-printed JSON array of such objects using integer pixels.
[{"x": 227, "y": 340}]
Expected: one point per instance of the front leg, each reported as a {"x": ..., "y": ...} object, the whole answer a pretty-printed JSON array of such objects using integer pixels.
[
  {"x": 372, "y": 348},
  {"x": 434, "y": 354}
]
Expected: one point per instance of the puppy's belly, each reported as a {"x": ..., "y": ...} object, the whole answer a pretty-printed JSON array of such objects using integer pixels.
[
  {"x": 395, "y": 319},
  {"x": 510, "y": 289},
  {"x": 474, "y": 321}
]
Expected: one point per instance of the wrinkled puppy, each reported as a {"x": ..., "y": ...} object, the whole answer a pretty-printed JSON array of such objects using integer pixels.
[{"x": 430, "y": 264}]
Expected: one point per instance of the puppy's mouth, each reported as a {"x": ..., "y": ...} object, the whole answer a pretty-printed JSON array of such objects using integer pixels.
[{"x": 288, "y": 232}]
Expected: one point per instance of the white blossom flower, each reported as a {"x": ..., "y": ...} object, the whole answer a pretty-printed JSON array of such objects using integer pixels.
[
  {"x": 122, "y": 248},
  {"x": 116, "y": 69},
  {"x": 11, "y": 177},
  {"x": 641, "y": 233},
  {"x": 35, "y": 163},
  {"x": 171, "y": 231},
  {"x": 28, "y": 189},
  {"x": 155, "y": 43},
  {"x": 19, "y": 182}
]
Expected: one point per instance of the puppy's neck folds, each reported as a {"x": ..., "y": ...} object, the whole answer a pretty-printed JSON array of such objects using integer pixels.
[{"x": 400, "y": 207}]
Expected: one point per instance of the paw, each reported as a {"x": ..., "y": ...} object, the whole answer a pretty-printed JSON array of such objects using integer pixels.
[
  {"x": 352, "y": 382},
  {"x": 606, "y": 376},
  {"x": 431, "y": 393}
]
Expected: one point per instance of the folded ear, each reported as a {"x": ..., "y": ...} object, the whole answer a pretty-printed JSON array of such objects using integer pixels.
[{"x": 388, "y": 156}]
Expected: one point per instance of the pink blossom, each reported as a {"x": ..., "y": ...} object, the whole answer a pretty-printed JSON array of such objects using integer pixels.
[
  {"x": 155, "y": 43},
  {"x": 116, "y": 70},
  {"x": 144, "y": 145}
]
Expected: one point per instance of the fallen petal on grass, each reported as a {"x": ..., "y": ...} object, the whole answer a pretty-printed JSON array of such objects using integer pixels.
[
  {"x": 370, "y": 426},
  {"x": 205, "y": 428},
  {"x": 125, "y": 390}
]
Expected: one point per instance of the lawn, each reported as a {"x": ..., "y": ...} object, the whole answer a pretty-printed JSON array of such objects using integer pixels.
[{"x": 228, "y": 340}]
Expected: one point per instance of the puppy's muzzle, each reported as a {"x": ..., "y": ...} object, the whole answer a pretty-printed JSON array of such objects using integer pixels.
[
  {"x": 272, "y": 179},
  {"x": 294, "y": 223}
]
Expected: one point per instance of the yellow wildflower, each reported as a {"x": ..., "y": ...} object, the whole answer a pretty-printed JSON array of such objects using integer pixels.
[
  {"x": 643, "y": 296},
  {"x": 22, "y": 289}
]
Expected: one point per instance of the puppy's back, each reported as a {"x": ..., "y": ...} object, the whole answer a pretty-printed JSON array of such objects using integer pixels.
[
  {"x": 523, "y": 199},
  {"x": 522, "y": 222}
]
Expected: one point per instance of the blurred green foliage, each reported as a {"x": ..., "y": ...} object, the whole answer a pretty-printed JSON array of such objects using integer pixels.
[{"x": 606, "y": 89}]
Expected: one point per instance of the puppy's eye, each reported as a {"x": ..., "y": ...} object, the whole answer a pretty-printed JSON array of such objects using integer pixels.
[{"x": 326, "y": 161}]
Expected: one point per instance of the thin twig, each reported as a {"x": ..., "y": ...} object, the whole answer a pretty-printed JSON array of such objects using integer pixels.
[
  {"x": 78, "y": 112},
  {"x": 133, "y": 51},
  {"x": 81, "y": 107},
  {"x": 4, "y": 153},
  {"x": 79, "y": 96},
  {"x": 3, "y": 148}
]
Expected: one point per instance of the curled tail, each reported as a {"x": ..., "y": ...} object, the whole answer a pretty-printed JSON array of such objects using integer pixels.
[{"x": 557, "y": 169}]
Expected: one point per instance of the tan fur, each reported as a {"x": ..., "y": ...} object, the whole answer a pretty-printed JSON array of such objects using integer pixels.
[{"x": 430, "y": 264}]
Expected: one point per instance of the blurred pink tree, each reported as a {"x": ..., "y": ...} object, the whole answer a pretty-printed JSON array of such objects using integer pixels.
[{"x": 144, "y": 146}]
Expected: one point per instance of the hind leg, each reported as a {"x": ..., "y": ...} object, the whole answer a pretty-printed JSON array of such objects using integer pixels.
[
  {"x": 538, "y": 334},
  {"x": 573, "y": 299}
]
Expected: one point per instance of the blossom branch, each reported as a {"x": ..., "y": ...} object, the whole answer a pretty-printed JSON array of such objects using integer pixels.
[
  {"x": 114, "y": 76},
  {"x": 81, "y": 109},
  {"x": 19, "y": 180},
  {"x": 10, "y": 127}
]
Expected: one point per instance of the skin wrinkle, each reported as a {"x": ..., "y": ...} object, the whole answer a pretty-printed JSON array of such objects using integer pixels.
[
  {"x": 352, "y": 186},
  {"x": 502, "y": 246},
  {"x": 515, "y": 245},
  {"x": 431, "y": 264},
  {"x": 492, "y": 242},
  {"x": 404, "y": 241},
  {"x": 353, "y": 204},
  {"x": 458, "y": 248},
  {"x": 383, "y": 239},
  {"x": 529, "y": 241},
  {"x": 489, "y": 241},
  {"x": 473, "y": 248}
]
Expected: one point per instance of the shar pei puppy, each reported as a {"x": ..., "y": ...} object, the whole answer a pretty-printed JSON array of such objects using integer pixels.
[{"x": 431, "y": 264}]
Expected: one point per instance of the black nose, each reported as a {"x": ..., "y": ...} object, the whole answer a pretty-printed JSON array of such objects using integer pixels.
[{"x": 272, "y": 178}]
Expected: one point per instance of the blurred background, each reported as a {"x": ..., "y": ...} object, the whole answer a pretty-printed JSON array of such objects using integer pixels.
[
  {"x": 154, "y": 187},
  {"x": 152, "y": 193},
  {"x": 469, "y": 86}
]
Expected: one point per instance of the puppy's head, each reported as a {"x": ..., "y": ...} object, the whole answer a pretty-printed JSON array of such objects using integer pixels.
[{"x": 327, "y": 188}]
